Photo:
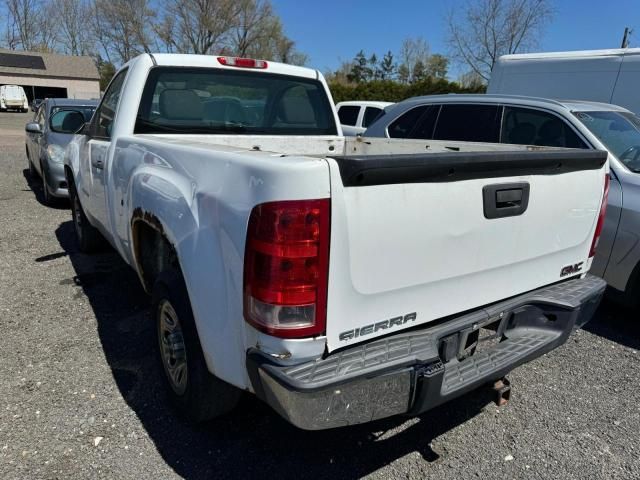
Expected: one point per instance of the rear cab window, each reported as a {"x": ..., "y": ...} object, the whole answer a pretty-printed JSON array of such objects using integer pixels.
[
  {"x": 348, "y": 115},
  {"x": 216, "y": 101}
]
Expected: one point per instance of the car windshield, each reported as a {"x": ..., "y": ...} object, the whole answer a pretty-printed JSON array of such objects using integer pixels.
[
  {"x": 618, "y": 131},
  {"x": 57, "y": 122},
  {"x": 207, "y": 100}
]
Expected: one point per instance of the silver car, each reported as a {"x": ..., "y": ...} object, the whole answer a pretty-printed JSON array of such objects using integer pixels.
[
  {"x": 536, "y": 121},
  {"x": 53, "y": 126}
]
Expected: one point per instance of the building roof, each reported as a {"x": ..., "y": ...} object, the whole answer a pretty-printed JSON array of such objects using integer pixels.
[{"x": 36, "y": 64}]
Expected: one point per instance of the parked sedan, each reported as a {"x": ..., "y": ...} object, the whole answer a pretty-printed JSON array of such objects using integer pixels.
[
  {"x": 536, "y": 121},
  {"x": 54, "y": 124}
]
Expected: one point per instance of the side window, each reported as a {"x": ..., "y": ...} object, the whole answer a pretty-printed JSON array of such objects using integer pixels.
[
  {"x": 403, "y": 126},
  {"x": 424, "y": 128},
  {"x": 103, "y": 118},
  {"x": 468, "y": 123},
  {"x": 525, "y": 126},
  {"x": 370, "y": 115},
  {"x": 348, "y": 114}
]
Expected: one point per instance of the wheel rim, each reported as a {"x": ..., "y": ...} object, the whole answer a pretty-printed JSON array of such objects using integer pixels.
[
  {"x": 172, "y": 348},
  {"x": 77, "y": 216}
]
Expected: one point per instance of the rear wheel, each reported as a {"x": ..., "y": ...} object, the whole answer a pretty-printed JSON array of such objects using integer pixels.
[
  {"x": 46, "y": 195},
  {"x": 89, "y": 238},
  {"x": 631, "y": 298},
  {"x": 32, "y": 171},
  {"x": 195, "y": 392}
]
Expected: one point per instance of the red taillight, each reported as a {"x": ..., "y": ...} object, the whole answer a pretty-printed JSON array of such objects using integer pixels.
[
  {"x": 603, "y": 211},
  {"x": 242, "y": 62},
  {"x": 286, "y": 267}
]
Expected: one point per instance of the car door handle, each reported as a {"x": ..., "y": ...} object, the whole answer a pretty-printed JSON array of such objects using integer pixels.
[{"x": 99, "y": 164}]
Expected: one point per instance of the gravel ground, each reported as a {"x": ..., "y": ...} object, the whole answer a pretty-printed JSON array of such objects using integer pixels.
[{"x": 81, "y": 394}]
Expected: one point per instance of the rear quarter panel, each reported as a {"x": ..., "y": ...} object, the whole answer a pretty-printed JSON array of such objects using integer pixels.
[
  {"x": 625, "y": 254},
  {"x": 200, "y": 198}
]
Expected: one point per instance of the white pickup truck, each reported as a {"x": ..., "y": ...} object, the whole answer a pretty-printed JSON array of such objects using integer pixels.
[{"x": 340, "y": 280}]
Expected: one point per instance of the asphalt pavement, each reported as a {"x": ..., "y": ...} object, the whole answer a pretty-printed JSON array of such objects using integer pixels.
[{"x": 81, "y": 394}]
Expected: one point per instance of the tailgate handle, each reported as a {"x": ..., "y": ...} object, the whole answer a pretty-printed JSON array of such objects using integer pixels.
[
  {"x": 505, "y": 199},
  {"x": 508, "y": 198}
]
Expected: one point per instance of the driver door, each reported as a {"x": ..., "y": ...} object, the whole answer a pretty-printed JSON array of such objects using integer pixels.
[{"x": 99, "y": 150}]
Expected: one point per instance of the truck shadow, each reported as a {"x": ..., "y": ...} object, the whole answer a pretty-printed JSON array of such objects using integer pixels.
[
  {"x": 253, "y": 441},
  {"x": 616, "y": 323},
  {"x": 36, "y": 186}
]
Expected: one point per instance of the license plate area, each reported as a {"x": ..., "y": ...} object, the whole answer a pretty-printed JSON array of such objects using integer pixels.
[
  {"x": 479, "y": 337},
  {"x": 482, "y": 336}
]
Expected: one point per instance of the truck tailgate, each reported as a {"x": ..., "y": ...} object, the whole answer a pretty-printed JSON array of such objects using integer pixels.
[{"x": 415, "y": 238}]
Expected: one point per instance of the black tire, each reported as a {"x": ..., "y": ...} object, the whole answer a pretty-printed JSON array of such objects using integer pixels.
[
  {"x": 630, "y": 299},
  {"x": 197, "y": 394},
  {"x": 89, "y": 238},
  {"x": 32, "y": 171},
  {"x": 48, "y": 199}
]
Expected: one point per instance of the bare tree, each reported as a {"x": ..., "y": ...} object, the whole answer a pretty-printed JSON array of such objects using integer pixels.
[
  {"x": 471, "y": 80},
  {"x": 114, "y": 31},
  {"x": 23, "y": 15},
  {"x": 122, "y": 27},
  {"x": 198, "y": 26},
  {"x": 487, "y": 29},
  {"x": 255, "y": 24},
  {"x": 73, "y": 17},
  {"x": 268, "y": 41},
  {"x": 11, "y": 39},
  {"x": 48, "y": 28},
  {"x": 414, "y": 51}
]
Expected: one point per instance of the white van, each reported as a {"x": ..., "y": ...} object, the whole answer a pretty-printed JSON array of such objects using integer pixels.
[
  {"x": 12, "y": 97},
  {"x": 608, "y": 76}
]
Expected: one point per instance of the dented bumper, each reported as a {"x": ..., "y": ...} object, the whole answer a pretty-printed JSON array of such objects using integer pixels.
[{"x": 414, "y": 371}]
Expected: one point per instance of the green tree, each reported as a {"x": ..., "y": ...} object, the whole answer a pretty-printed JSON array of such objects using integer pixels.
[
  {"x": 106, "y": 70},
  {"x": 373, "y": 69},
  {"x": 387, "y": 67},
  {"x": 394, "y": 91},
  {"x": 403, "y": 73},
  {"x": 419, "y": 72},
  {"x": 359, "y": 69},
  {"x": 437, "y": 66}
]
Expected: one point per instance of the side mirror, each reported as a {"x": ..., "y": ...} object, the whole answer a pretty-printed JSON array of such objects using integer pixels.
[
  {"x": 33, "y": 127},
  {"x": 67, "y": 121}
]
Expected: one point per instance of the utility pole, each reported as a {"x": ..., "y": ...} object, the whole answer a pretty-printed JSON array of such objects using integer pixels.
[{"x": 625, "y": 38}]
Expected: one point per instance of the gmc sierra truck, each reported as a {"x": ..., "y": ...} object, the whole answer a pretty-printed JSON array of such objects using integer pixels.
[{"x": 341, "y": 280}]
